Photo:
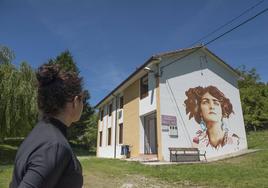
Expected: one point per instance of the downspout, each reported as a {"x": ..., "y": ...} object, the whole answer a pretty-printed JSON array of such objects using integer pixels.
[
  {"x": 158, "y": 115},
  {"x": 115, "y": 130}
]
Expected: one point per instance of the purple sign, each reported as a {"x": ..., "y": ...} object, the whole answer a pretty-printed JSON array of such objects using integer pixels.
[{"x": 169, "y": 120}]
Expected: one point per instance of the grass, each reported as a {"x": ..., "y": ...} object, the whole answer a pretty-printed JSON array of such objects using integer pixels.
[
  {"x": 246, "y": 171},
  {"x": 7, "y": 154},
  {"x": 250, "y": 170},
  {"x": 258, "y": 140}
]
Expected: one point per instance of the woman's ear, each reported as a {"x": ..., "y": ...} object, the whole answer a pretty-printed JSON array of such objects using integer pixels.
[{"x": 76, "y": 101}]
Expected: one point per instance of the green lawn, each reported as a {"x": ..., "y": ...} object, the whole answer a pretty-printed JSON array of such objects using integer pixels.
[{"x": 250, "y": 170}]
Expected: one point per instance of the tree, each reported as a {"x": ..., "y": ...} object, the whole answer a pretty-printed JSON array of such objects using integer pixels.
[
  {"x": 89, "y": 138},
  {"x": 6, "y": 55},
  {"x": 79, "y": 129},
  {"x": 254, "y": 98},
  {"x": 81, "y": 132},
  {"x": 18, "y": 109},
  {"x": 65, "y": 61},
  {"x": 27, "y": 99}
]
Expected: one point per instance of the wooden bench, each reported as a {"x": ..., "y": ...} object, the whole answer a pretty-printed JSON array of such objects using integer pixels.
[{"x": 185, "y": 154}]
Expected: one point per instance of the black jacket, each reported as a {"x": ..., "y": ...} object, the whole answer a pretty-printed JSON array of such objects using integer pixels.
[{"x": 45, "y": 159}]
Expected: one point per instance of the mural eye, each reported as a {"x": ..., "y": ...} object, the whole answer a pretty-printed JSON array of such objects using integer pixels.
[
  {"x": 216, "y": 103},
  {"x": 205, "y": 102}
]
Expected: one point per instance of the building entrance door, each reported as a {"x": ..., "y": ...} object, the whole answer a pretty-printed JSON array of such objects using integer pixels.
[{"x": 150, "y": 134}]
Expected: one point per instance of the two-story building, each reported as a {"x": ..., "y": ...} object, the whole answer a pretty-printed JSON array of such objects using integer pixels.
[{"x": 185, "y": 98}]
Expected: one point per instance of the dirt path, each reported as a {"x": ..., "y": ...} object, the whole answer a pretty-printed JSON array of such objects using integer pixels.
[{"x": 128, "y": 181}]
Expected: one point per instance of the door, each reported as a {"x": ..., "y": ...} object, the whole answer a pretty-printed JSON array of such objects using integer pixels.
[{"x": 150, "y": 138}]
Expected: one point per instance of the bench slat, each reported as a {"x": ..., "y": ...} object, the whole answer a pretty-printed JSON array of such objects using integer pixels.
[{"x": 185, "y": 154}]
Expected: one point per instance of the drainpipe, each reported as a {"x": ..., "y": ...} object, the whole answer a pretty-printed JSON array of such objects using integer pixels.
[{"x": 115, "y": 130}]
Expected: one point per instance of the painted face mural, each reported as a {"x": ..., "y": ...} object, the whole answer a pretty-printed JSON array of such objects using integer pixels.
[{"x": 209, "y": 107}]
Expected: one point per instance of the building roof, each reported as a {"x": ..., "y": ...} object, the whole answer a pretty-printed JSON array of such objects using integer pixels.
[{"x": 161, "y": 55}]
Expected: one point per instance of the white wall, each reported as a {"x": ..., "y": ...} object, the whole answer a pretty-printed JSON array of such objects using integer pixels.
[
  {"x": 191, "y": 72},
  {"x": 106, "y": 150},
  {"x": 148, "y": 104}
]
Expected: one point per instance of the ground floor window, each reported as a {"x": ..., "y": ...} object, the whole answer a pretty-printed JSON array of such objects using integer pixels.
[
  {"x": 120, "y": 133},
  {"x": 100, "y": 144},
  {"x": 109, "y": 136}
]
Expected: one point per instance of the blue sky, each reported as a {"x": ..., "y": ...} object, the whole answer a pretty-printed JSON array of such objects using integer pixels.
[{"x": 110, "y": 38}]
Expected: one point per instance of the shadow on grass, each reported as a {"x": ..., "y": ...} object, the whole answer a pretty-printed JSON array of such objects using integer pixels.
[
  {"x": 82, "y": 150},
  {"x": 7, "y": 154},
  {"x": 8, "y": 150}
]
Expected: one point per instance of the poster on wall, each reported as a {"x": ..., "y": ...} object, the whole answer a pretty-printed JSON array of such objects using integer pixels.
[{"x": 210, "y": 109}]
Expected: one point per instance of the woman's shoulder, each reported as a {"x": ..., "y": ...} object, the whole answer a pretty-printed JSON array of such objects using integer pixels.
[{"x": 46, "y": 133}]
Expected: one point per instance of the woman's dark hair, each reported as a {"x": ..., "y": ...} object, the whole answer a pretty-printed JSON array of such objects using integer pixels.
[
  {"x": 55, "y": 88},
  {"x": 193, "y": 101}
]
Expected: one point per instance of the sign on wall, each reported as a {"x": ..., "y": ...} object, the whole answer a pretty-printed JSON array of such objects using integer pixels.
[
  {"x": 169, "y": 123},
  {"x": 169, "y": 120}
]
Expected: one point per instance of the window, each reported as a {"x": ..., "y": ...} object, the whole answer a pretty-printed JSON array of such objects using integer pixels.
[
  {"x": 101, "y": 114},
  {"x": 121, "y": 102},
  {"x": 120, "y": 133},
  {"x": 144, "y": 86},
  {"x": 100, "y": 144},
  {"x": 110, "y": 109},
  {"x": 109, "y": 136}
]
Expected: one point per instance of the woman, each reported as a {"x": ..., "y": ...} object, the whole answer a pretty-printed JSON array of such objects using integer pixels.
[
  {"x": 45, "y": 158},
  {"x": 209, "y": 106}
]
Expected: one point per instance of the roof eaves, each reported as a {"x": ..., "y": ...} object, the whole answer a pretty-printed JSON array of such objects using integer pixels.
[{"x": 176, "y": 51}]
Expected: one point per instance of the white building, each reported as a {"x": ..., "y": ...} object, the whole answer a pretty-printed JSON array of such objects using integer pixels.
[{"x": 187, "y": 98}]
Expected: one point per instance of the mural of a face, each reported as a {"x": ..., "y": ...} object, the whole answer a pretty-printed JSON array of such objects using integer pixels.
[{"x": 210, "y": 108}]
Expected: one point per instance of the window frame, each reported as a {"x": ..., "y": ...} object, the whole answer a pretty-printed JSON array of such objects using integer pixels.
[
  {"x": 120, "y": 141},
  {"x": 100, "y": 141},
  {"x": 109, "y": 136},
  {"x": 121, "y": 102},
  {"x": 110, "y": 109},
  {"x": 144, "y": 89},
  {"x": 101, "y": 114}
]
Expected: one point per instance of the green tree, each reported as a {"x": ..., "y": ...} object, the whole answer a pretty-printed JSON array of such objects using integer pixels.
[
  {"x": 8, "y": 77},
  {"x": 254, "y": 98},
  {"x": 80, "y": 131},
  {"x": 6, "y": 55},
  {"x": 89, "y": 138},
  {"x": 27, "y": 99},
  {"x": 18, "y": 110},
  {"x": 65, "y": 61}
]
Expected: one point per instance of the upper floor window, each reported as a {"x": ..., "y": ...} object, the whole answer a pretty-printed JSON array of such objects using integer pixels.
[
  {"x": 144, "y": 86},
  {"x": 101, "y": 114},
  {"x": 110, "y": 109},
  {"x": 121, "y": 102}
]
